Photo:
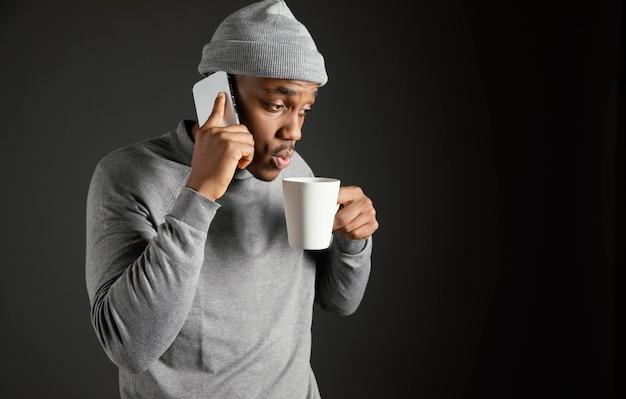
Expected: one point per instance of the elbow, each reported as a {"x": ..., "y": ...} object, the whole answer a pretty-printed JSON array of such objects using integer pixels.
[
  {"x": 131, "y": 364},
  {"x": 341, "y": 309},
  {"x": 124, "y": 355},
  {"x": 342, "y": 302},
  {"x": 344, "y": 312},
  {"x": 119, "y": 348}
]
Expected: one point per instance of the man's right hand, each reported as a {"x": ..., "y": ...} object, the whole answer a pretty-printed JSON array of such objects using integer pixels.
[{"x": 217, "y": 151}]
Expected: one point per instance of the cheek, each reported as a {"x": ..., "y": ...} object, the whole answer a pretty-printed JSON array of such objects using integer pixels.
[
  {"x": 263, "y": 136},
  {"x": 263, "y": 129}
]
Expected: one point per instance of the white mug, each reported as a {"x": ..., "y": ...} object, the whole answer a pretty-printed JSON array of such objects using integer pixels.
[{"x": 310, "y": 208}]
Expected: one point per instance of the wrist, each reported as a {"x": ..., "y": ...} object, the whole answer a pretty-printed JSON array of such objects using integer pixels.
[{"x": 204, "y": 191}]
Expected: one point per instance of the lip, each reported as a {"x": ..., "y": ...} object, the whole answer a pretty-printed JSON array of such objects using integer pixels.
[{"x": 282, "y": 159}]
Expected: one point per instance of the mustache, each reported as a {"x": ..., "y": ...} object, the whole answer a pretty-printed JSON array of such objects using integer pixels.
[{"x": 284, "y": 147}]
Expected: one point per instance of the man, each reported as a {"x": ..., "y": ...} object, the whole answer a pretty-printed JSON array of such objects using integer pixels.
[{"x": 194, "y": 290}]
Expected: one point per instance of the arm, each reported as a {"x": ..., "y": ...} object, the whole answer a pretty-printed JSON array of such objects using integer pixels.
[
  {"x": 141, "y": 278},
  {"x": 143, "y": 268},
  {"x": 342, "y": 275},
  {"x": 343, "y": 270}
]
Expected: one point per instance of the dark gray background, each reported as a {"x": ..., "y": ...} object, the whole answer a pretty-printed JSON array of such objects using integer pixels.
[{"x": 485, "y": 133}]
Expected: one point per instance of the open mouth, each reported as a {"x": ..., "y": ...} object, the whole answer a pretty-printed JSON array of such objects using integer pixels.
[{"x": 282, "y": 159}]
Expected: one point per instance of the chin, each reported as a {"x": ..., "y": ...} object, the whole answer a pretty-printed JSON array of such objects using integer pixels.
[{"x": 264, "y": 174}]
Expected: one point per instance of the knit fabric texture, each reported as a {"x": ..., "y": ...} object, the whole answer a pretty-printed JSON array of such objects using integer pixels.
[{"x": 264, "y": 39}]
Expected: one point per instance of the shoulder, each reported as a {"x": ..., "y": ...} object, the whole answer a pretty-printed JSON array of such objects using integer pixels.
[
  {"x": 139, "y": 166},
  {"x": 124, "y": 162}
]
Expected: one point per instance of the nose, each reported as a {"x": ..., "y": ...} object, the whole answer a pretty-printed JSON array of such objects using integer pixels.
[{"x": 291, "y": 128}]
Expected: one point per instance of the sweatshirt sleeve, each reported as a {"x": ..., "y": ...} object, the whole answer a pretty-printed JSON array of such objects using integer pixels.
[
  {"x": 342, "y": 275},
  {"x": 141, "y": 276}
]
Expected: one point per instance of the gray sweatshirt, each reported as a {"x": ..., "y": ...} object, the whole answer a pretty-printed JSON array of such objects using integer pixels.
[{"x": 192, "y": 298}]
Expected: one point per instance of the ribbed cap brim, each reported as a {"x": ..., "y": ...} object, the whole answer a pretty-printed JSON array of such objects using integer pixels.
[{"x": 264, "y": 60}]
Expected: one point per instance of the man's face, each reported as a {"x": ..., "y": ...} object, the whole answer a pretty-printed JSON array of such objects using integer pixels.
[{"x": 274, "y": 111}]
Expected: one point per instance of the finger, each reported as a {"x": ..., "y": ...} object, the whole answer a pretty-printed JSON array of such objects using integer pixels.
[
  {"x": 357, "y": 216},
  {"x": 217, "y": 114},
  {"x": 246, "y": 157},
  {"x": 348, "y": 208},
  {"x": 348, "y": 194},
  {"x": 362, "y": 232},
  {"x": 361, "y": 227},
  {"x": 348, "y": 218}
]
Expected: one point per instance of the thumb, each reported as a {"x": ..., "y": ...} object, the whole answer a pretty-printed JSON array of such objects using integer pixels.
[{"x": 217, "y": 114}]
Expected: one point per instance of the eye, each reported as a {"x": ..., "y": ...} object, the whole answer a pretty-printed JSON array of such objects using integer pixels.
[
  {"x": 275, "y": 107},
  {"x": 305, "y": 111}
]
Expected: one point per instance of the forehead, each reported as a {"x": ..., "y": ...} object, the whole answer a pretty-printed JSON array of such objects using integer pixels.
[{"x": 284, "y": 87}]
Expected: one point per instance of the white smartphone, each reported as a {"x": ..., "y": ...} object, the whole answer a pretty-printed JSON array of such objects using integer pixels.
[{"x": 204, "y": 93}]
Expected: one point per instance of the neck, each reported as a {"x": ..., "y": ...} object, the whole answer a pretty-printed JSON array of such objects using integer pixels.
[{"x": 194, "y": 130}]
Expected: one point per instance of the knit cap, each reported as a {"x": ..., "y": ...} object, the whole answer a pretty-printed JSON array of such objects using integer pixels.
[{"x": 264, "y": 39}]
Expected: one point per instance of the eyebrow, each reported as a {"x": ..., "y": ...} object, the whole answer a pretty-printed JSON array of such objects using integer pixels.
[{"x": 284, "y": 91}]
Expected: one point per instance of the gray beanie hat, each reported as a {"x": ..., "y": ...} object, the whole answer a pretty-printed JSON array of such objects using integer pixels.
[{"x": 264, "y": 39}]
